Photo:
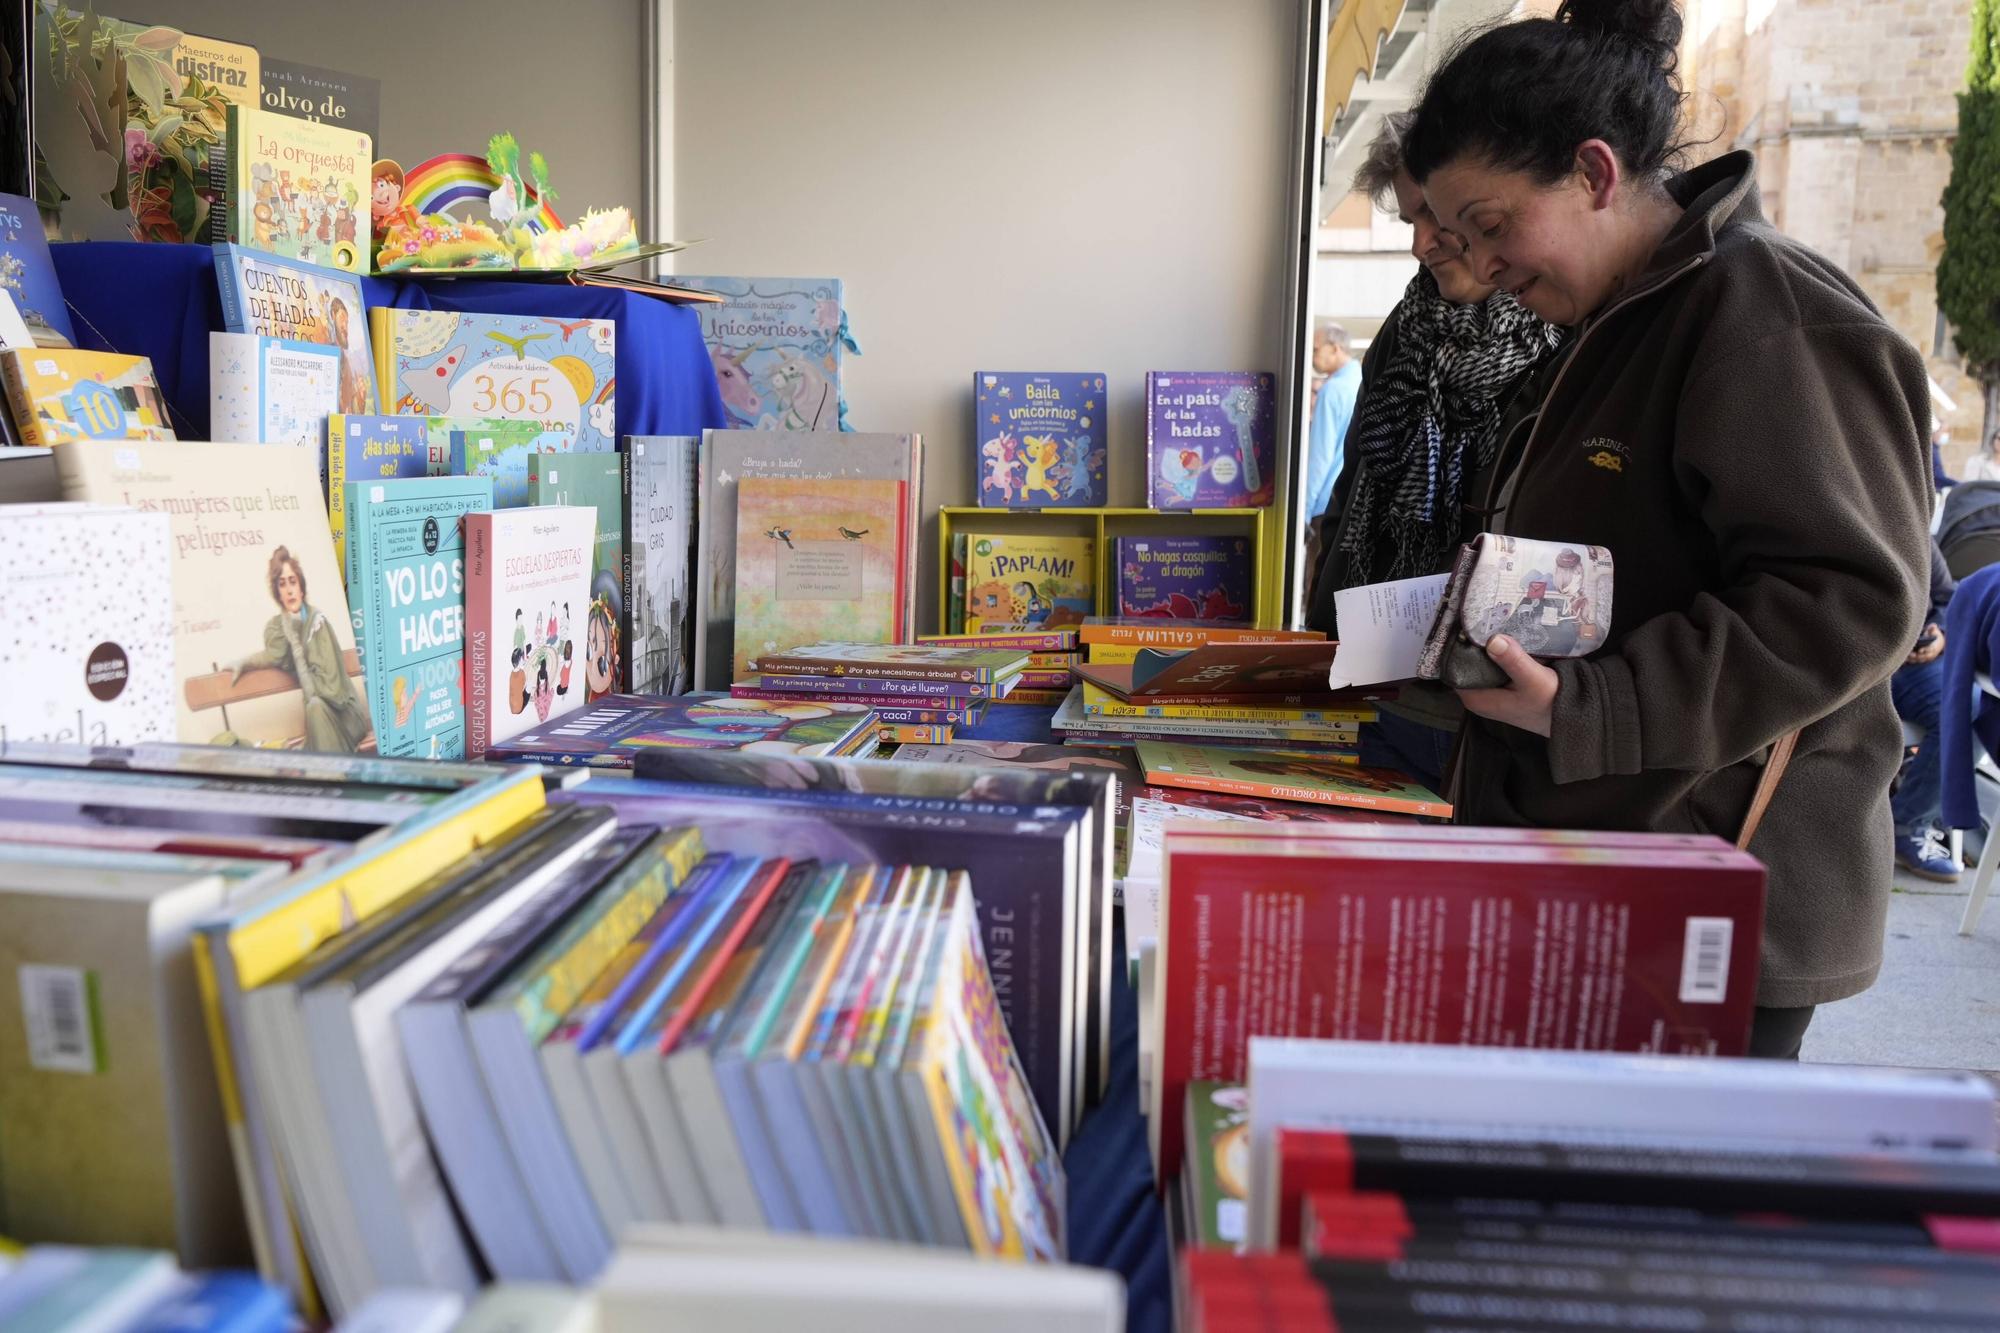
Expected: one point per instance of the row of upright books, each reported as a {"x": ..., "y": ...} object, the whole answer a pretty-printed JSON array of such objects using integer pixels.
[{"x": 1050, "y": 582}]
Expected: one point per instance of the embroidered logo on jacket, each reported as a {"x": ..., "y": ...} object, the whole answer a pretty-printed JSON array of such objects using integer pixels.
[{"x": 1605, "y": 452}]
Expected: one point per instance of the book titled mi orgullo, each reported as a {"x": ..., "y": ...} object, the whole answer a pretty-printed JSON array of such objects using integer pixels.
[
  {"x": 1211, "y": 439},
  {"x": 892, "y": 661}
]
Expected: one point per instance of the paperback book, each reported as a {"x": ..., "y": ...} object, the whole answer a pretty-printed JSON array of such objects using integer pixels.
[
  {"x": 278, "y": 297},
  {"x": 1185, "y": 578},
  {"x": 527, "y": 584},
  {"x": 271, "y": 390},
  {"x": 661, "y": 474},
  {"x": 1211, "y": 439},
  {"x": 89, "y": 596},
  {"x": 1042, "y": 582},
  {"x": 59, "y": 395},
  {"x": 609, "y": 731},
  {"x": 406, "y": 578},
  {"x": 1286, "y": 777},
  {"x": 1039, "y": 440},
  {"x": 560, "y": 374},
  {"x": 496, "y": 449},
  {"x": 294, "y": 188},
  {"x": 369, "y": 448},
  {"x": 596, "y": 481},
  {"x": 263, "y": 645},
  {"x": 776, "y": 344},
  {"x": 891, "y": 661},
  {"x": 818, "y": 561},
  {"x": 323, "y": 96},
  {"x": 28, "y": 274}
]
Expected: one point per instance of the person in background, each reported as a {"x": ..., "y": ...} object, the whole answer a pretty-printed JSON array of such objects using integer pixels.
[
  {"x": 1434, "y": 383},
  {"x": 1917, "y": 688},
  {"x": 1764, "y": 595},
  {"x": 1940, "y": 479},
  {"x": 1327, "y": 356},
  {"x": 1332, "y": 411}
]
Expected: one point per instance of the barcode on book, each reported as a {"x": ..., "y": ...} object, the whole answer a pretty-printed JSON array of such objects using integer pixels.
[
  {"x": 1705, "y": 959},
  {"x": 56, "y": 1004}
]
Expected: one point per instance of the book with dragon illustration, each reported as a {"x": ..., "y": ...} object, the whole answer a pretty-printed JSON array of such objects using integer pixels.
[
  {"x": 1185, "y": 578},
  {"x": 294, "y": 188},
  {"x": 288, "y": 298},
  {"x": 776, "y": 344},
  {"x": 596, "y": 481},
  {"x": 1016, "y": 579},
  {"x": 817, "y": 562},
  {"x": 271, "y": 390},
  {"x": 1038, "y": 440},
  {"x": 60, "y": 395},
  {"x": 1211, "y": 439}
]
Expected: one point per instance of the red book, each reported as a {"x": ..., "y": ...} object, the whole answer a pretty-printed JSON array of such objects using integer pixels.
[
  {"x": 1595, "y": 948},
  {"x": 691, "y": 1004}
]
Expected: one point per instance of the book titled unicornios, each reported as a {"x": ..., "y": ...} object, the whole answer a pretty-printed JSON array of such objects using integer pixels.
[{"x": 1211, "y": 439}]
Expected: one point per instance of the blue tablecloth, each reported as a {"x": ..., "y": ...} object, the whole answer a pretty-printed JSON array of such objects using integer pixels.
[{"x": 160, "y": 302}]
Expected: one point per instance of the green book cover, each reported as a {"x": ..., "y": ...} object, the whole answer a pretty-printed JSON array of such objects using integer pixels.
[
  {"x": 1216, "y": 1175},
  {"x": 597, "y": 481}
]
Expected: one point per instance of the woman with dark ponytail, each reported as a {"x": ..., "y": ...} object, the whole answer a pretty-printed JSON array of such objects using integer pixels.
[{"x": 1735, "y": 421}]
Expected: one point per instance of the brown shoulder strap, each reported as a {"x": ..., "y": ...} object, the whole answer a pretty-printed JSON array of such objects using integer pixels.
[{"x": 1767, "y": 786}]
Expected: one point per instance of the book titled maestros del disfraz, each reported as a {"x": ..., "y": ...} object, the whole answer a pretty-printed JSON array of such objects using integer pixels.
[
  {"x": 1647, "y": 945},
  {"x": 527, "y": 589}
]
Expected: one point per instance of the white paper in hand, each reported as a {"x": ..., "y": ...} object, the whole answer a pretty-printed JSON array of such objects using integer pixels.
[{"x": 1382, "y": 629}]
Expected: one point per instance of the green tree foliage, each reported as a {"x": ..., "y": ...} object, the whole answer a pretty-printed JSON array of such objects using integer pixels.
[{"x": 1968, "y": 275}]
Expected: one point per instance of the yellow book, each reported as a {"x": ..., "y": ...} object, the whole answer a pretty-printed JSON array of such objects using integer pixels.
[
  {"x": 1299, "y": 723},
  {"x": 1020, "y": 579},
  {"x": 62, "y": 394},
  {"x": 1115, "y": 654}
]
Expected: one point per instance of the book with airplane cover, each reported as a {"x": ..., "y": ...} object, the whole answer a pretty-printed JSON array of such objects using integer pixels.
[
  {"x": 371, "y": 448},
  {"x": 599, "y": 482},
  {"x": 892, "y": 661},
  {"x": 59, "y": 395},
  {"x": 264, "y": 645},
  {"x": 1627, "y": 948},
  {"x": 816, "y": 562},
  {"x": 277, "y": 297},
  {"x": 607, "y": 732},
  {"x": 1286, "y": 777},
  {"x": 271, "y": 390},
  {"x": 406, "y": 579},
  {"x": 292, "y": 187},
  {"x": 527, "y": 588},
  {"x": 561, "y": 374},
  {"x": 1016, "y": 579},
  {"x": 776, "y": 344},
  {"x": 1211, "y": 439},
  {"x": 1039, "y": 439},
  {"x": 89, "y": 595},
  {"x": 1223, "y": 671},
  {"x": 1185, "y": 578},
  {"x": 661, "y": 479},
  {"x": 1148, "y": 632}
]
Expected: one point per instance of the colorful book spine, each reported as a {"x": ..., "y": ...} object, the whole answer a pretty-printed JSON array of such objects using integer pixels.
[
  {"x": 1046, "y": 678},
  {"x": 888, "y": 667},
  {"x": 1145, "y": 633},
  {"x": 868, "y": 687},
  {"x": 1100, "y": 701},
  {"x": 1038, "y": 643},
  {"x": 1016, "y": 579},
  {"x": 369, "y": 448},
  {"x": 1211, "y": 439},
  {"x": 776, "y": 344},
  {"x": 906, "y": 733},
  {"x": 1035, "y": 698},
  {"x": 1185, "y": 578},
  {"x": 923, "y": 708},
  {"x": 1038, "y": 440}
]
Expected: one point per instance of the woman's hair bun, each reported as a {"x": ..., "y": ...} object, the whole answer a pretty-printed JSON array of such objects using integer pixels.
[{"x": 1655, "y": 23}]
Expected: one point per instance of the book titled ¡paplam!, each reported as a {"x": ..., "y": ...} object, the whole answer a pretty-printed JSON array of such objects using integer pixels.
[{"x": 527, "y": 588}]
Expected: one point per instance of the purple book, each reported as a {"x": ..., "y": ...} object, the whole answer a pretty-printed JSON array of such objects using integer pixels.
[
  {"x": 1038, "y": 439},
  {"x": 916, "y": 689},
  {"x": 1211, "y": 439},
  {"x": 1185, "y": 578}
]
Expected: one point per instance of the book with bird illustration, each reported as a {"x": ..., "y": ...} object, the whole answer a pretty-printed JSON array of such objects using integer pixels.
[
  {"x": 776, "y": 344},
  {"x": 1211, "y": 439},
  {"x": 818, "y": 562},
  {"x": 1019, "y": 579},
  {"x": 1038, "y": 440}
]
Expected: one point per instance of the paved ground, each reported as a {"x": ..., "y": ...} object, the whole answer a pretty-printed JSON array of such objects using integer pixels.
[{"x": 1937, "y": 1003}]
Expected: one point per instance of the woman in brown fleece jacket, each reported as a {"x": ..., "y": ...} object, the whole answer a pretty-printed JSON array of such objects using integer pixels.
[{"x": 1749, "y": 437}]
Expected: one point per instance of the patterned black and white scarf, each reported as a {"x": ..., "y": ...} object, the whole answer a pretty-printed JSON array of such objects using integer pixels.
[{"x": 1429, "y": 421}]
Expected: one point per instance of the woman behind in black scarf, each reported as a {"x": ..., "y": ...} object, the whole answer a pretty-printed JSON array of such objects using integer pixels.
[{"x": 1435, "y": 382}]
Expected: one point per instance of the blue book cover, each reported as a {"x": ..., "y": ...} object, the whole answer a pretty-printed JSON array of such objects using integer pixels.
[
  {"x": 371, "y": 448},
  {"x": 264, "y": 390},
  {"x": 776, "y": 344},
  {"x": 561, "y": 374},
  {"x": 287, "y": 298},
  {"x": 1185, "y": 578},
  {"x": 1211, "y": 439},
  {"x": 406, "y": 581},
  {"x": 1038, "y": 440},
  {"x": 499, "y": 450},
  {"x": 27, "y": 273},
  {"x": 221, "y": 1303}
]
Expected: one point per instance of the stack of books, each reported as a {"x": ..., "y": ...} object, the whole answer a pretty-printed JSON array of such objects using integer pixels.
[
  {"x": 921, "y": 693},
  {"x": 67, "y": 1287},
  {"x": 1382, "y": 1185},
  {"x": 610, "y": 731},
  {"x": 1053, "y": 657}
]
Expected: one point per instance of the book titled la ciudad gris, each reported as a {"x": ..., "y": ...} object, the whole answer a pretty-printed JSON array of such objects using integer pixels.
[
  {"x": 1039, "y": 439},
  {"x": 527, "y": 589},
  {"x": 1211, "y": 439}
]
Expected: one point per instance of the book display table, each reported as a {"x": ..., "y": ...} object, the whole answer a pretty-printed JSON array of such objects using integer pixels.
[{"x": 161, "y": 302}]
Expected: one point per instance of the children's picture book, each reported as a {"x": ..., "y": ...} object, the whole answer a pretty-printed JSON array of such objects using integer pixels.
[
  {"x": 271, "y": 390},
  {"x": 88, "y": 600},
  {"x": 1149, "y": 632},
  {"x": 1015, "y": 579},
  {"x": 496, "y": 449},
  {"x": 881, "y": 660},
  {"x": 370, "y": 448},
  {"x": 609, "y": 731},
  {"x": 28, "y": 275},
  {"x": 561, "y": 374},
  {"x": 818, "y": 562},
  {"x": 1039, "y": 440},
  {"x": 406, "y": 580},
  {"x": 1211, "y": 439},
  {"x": 598, "y": 482},
  {"x": 294, "y": 188},
  {"x": 659, "y": 512},
  {"x": 324, "y": 96},
  {"x": 59, "y": 395},
  {"x": 1185, "y": 578},
  {"x": 776, "y": 344},
  {"x": 288, "y": 298},
  {"x": 527, "y": 589},
  {"x": 263, "y": 643},
  {"x": 1286, "y": 777}
]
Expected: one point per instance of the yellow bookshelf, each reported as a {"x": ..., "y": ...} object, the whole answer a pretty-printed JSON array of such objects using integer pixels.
[{"x": 1105, "y": 524}]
